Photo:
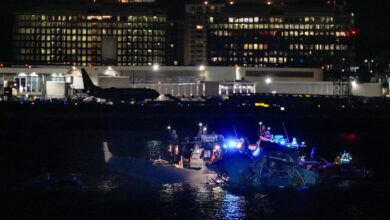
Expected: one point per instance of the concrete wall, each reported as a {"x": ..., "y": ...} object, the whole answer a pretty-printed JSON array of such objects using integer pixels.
[
  {"x": 182, "y": 89},
  {"x": 116, "y": 82},
  {"x": 55, "y": 90},
  {"x": 367, "y": 89},
  {"x": 312, "y": 88}
]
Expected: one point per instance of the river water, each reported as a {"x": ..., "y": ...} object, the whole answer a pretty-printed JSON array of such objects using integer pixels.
[{"x": 67, "y": 142}]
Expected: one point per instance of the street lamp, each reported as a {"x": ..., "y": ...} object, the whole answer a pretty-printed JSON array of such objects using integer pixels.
[
  {"x": 169, "y": 127},
  {"x": 200, "y": 124},
  {"x": 268, "y": 80},
  {"x": 156, "y": 67},
  {"x": 354, "y": 83},
  {"x": 202, "y": 68}
]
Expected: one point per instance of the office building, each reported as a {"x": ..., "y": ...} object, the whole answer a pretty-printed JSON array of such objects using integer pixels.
[{"x": 125, "y": 35}]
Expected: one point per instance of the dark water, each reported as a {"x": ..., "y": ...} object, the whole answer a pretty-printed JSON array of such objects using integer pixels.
[
  {"x": 112, "y": 196},
  {"x": 68, "y": 140}
]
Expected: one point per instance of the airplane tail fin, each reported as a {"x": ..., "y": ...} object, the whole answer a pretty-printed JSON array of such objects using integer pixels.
[
  {"x": 88, "y": 84},
  {"x": 107, "y": 154}
]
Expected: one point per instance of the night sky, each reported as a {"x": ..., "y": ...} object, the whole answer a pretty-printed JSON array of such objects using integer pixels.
[{"x": 372, "y": 19}]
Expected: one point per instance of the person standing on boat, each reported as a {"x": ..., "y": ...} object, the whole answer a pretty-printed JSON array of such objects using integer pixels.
[
  {"x": 265, "y": 139},
  {"x": 265, "y": 134}
]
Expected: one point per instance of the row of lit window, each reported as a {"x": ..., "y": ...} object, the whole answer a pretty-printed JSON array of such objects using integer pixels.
[
  {"x": 141, "y": 52},
  {"x": 277, "y": 19},
  {"x": 280, "y": 26},
  {"x": 23, "y": 51},
  {"x": 288, "y": 53},
  {"x": 85, "y": 31},
  {"x": 57, "y": 58},
  {"x": 254, "y": 46},
  {"x": 318, "y": 47},
  {"x": 250, "y": 59},
  {"x": 285, "y": 33},
  {"x": 89, "y": 52},
  {"x": 31, "y": 41},
  {"x": 91, "y": 17},
  {"x": 142, "y": 59},
  {"x": 91, "y": 25},
  {"x": 315, "y": 33},
  {"x": 133, "y": 64},
  {"x": 257, "y": 46},
  {"x": 93, "y": 45}
]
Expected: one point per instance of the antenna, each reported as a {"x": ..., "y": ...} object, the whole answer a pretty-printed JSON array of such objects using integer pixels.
[
  {"x": 235, "y": 132},
  {"x": 285, "y": 132}
]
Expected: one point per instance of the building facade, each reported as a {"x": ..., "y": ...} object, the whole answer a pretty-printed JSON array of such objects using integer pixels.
[
  {"x": 282, "y": 37},
  {"x": 196, "y": 32},
  {"x": 119, "y": 35},
  {"x": 217, "y": 33}
]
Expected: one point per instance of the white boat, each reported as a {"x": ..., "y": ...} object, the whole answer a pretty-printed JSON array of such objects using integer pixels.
[{"x": 156, "y": 173}]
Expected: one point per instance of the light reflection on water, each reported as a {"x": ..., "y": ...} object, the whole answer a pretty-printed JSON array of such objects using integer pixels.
[
  {"x": 232, "y": 207},
  {"x": 172, "y": 201},
  {"x": 214, "y": 202}
]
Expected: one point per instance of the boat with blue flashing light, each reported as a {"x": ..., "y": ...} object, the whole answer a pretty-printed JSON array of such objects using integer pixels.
[{"x": 272, "y": 162}]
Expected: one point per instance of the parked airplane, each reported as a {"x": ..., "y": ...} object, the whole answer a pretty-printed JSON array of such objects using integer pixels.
[{"x": 117, "y": 94}]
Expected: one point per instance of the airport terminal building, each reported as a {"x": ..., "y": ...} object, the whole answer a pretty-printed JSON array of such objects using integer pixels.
[{"x": 65, "y": 81}]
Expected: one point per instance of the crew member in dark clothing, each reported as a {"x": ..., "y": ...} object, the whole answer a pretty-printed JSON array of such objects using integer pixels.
[{"x": 266, "y": 141}]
